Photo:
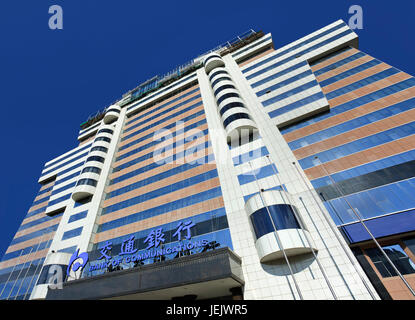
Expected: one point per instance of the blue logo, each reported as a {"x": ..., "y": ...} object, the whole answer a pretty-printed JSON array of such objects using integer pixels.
[{"x": 77, "y": 265}]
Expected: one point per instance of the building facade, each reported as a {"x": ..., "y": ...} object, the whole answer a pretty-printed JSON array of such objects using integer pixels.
[{"x": 248, "y": 173}]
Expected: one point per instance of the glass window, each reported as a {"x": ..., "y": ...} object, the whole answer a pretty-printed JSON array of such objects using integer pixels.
[
  {"x": 397, "y": 255},
  {"x": 234, "y": 117},
  {"x": 227, "y": 95},
  {"x": 283, "y": 217},
  {"x": 106, "y": 131},
  {"x": 99, "y": 148}
]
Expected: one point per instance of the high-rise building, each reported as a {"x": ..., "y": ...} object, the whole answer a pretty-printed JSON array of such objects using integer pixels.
[{"x": 248, "y": 173}]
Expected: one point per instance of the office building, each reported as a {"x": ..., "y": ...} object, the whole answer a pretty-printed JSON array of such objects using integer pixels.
[{"x": 250, "y": 172}]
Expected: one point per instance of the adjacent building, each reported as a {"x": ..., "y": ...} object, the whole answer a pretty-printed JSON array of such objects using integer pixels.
[{"x": 249, "y": 172}]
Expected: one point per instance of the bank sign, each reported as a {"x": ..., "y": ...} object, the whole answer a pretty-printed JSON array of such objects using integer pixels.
[{"x": 155, "y": 248}]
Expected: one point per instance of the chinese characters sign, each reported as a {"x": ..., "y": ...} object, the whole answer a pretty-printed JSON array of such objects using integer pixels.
[{"x": 155, "y": 247}]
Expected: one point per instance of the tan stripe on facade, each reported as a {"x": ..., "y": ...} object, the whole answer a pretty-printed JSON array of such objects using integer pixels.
[
  {"x": 45, "y": 186},
  {"x": 31, "y": 242},
  {"x": 354, "y": 78},
  {"x": 159, "y": 126},
  {"x": 43, "y": 195},
  {"x": 39, "y": 205},
  {"x": 162, "y": 115},
  {"x": 145, "y": 175},
  {"x": 24, "y": 259},
  {"x": 350, "y": 114},
  {"x": 381, "y": 84},
  {"x": 363, "y": 157},
  {"x": 33, "y": 218},
  {"x": 164, "y": 167},
  {"x": 86, "y": 140},
  {"x": 40, "y": 226},
  {"x": 156, "y": 202},
  {"x": 157, "y": 146},
  {"x": 159, "y": 136},
  {"x": 335, "y": 59},
  {"x": 270, "y": 50},
  {"x": 343, "y": 68},
  {"x": 161, "y": 219},
  {"x": 356, "y": 134},
  {"x": 158, "y": 184},
  {"x": 142, "y": 115}
]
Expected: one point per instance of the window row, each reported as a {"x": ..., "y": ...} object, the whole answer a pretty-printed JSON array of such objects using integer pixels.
[
  {"x": 365, "y": 168},
  {"x": 220, "y": 79},
  {"x": 290, "y": 93},
  {"x": 298, "y": 45},
  {"x": 230, "y": 106},
  {"x": 67, "y": 156},
  {"x": 158, "y": 177},
  {"x": 167, "y": 96},
  {"x": 370, "y": 97},
  {"x": 153, "y": 143},
  {"x": 161, "y": 209},
  {"x": 257, "y": 174},
  {"x": 169, "y": 126},
  {"x": 158, "y": 115},
  {"x": 172, "y": 158},
  {"x": 72, "y": 233},
  {"x": 350, "y": 72},
  {"x": 69, "y": 177},
  {"x": 297, "y": 104},
  {"x": 391, "y": 198},
  {"x": 251, "y": 155},
  {"x": 35, "y": 234},
  {"x": 68, "y": 186},
  {"x": 58, "y": 200},
  {"x": 215, "y": 73},
  {"x": 91, "y": 169},
  {"x": 226, "y": 96},
  {"x": 284, "y": 83},
  {"x": 359, "y": 145},
  {"x": 234, "y": 117},
  {"x": 188, "y": 182},
  {"x": 99, "y": 148},
  {"x": 78, "y": 216},
  {"x": 64, "y": 164},
  {"x": 281, "y": 216},
  {"x": 298, "y": 55},
  {"x": 329, "y": 56},
  {"x": 340, "y": 63},
  {"x": 362, "y": 83},
  {"x": 278, "y": 74},
  {"x": 38, "y": 221},
  {"x": 88, "y": 182},
  {"x": 353, "y": 124}
]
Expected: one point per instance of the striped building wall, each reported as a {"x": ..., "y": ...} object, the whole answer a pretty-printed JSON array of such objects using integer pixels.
[
  {"x": 22, "y": 263},
  {"x": 143, "y": 194},
  {"x": 366, "y": 143},
  {"x": 353, "y": 112},
  {"x": 161, "y": 165}
]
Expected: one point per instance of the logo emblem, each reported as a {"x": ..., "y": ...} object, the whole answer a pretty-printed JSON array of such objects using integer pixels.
[{"x": 76, "y": 266}]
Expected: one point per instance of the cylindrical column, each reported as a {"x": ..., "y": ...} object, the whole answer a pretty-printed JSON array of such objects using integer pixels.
[
  {"x": 293, "y": 237},
  {"x": 112, "y": 113},
  {"x": 88, "y": 179},
  {"x": 211, "y": 61},
  {"x": 235, "y": 117}
]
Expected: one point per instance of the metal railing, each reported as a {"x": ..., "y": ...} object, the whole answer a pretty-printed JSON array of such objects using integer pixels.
[{"x": 157, "y": 81}]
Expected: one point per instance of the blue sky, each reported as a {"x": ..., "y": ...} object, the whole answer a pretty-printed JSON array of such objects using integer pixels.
[{"x": 51, "y": 80}]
